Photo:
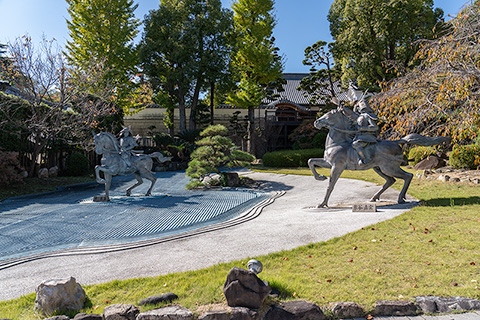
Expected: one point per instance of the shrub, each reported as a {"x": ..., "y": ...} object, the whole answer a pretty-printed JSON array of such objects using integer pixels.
[
  {"x": 465, "y": 157},
  {"x": 77, "y": 164},
  {"x": 214, "y": 151},
  {"x": 420, "y": 153},
  {"x": 9, "y": 168},
  {"x": 290, "y": 158}
]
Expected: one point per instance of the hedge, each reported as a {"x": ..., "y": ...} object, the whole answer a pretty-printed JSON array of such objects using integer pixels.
[
  {"x": 290, "y": 158},
  {"x": 465, "y": 157}
]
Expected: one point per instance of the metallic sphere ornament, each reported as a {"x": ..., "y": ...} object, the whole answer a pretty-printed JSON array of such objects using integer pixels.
[{"x": 255, "y": 266}]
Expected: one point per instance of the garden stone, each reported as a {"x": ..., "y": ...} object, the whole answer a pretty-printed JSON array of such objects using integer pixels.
[
  {"x": 233, "y": 180},
  {"x": 43, "y": 173},
  {"x": 444, "y": 177},
  {"x": 243, "y": 288},
  {"x": 395, "y": 308},
  {"x": 238, "y": 313},
  {"x": 87, "y": 316},
  {"x": 58, "y": 318},
  {"x": 167, "y": 297},
  {"x": 120, "y": 312},
  {"x": 432, "y": 162},
  {"x": 347, "y": 309},
  {"x": 59, "y": 294},
  {"x": 170, "y": 313},
  {"x": 433, "y": 304},
  {"x": 295, "y": 310},
  {"x": 53, "y": 172}
]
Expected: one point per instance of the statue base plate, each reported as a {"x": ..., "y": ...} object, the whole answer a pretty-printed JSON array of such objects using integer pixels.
[
  {"x": 100, "y": 199},
  {"x": 364, "y": 207}
]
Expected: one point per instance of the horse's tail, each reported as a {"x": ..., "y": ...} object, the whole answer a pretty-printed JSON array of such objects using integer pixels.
[
  {"x": 160, "y": 157},
  {"x": 419, "y": 140}
]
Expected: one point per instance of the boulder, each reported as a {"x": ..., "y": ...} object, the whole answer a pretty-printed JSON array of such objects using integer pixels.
[
  {"x": 170, "y": 313},
  {"x": 430, "y": 163},
  {"x": 58, "y": 318},
  {"x": 120, "y": 312},
  {"x": 53, "y": 172},
  {"x": 153, "y": 300},
  {"x": 395, "y": 308},
  {"x": 433, "y": 304},
  {"x": 43, "y": 173},
  {"x": 243, "y": 288},
  {"x": 347, "y": 309},
  {"x": 233, "y": 180},
  {"x": 237, "y": 313},
  {"x": 295, "y": 310},
  {"x": 59, "y": 294},
  {"x": 87, "y": 316}
]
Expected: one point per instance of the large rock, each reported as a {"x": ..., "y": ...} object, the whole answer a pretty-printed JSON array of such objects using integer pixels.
[
  {"x": 120, "y": 312},
  {"x": 170, "y": 313},
  {"x": 433, "y": 304},
  {"x": 153, "y": 300},
  {"x": 347, "y": 310},
  {"x": 237, "y": 313},
  {"x": 59, "y": 294},
  {"x": 295, "y": 310},
  {"x": 395, "y": 308},
  {"x": 88, "y": 316},
  {"x": 430, "y": 163},
  {"x": 243, "y": 288},
  {"x": 43, "y": 173}
]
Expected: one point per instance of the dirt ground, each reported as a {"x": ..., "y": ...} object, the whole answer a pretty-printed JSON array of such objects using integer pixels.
[{"x": 451, "y": 175}]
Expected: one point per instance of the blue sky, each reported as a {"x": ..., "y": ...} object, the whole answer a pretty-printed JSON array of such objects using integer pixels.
[{"x": 300, "y": 23}]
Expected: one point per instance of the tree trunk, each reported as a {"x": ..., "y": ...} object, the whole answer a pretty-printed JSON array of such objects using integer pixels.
[
  {"x": 193, "y": 108},
  {"x": 181, "y": 109},
  {"x": 251, "y": 131},
  {"x": 212, "y": 92}
]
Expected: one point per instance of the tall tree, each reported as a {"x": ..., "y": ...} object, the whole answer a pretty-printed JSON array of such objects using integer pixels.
[
  {"x": 256, "y": 59},
  {"x": 183, "y": 46},
  {"x": 104, "y": 31},
  {"x": 373, "y": 40},
  {"x": 441, "y": 95}
]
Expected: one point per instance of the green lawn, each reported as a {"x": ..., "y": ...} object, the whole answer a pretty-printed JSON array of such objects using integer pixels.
[{"x": 430, "y": 250}]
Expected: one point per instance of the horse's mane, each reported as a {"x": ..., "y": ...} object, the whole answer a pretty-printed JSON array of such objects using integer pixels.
[{"x": 113, "y": 139}]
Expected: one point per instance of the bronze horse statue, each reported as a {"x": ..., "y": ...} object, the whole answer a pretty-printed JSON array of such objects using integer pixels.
[
  {"x": 386, "y": 156},
  {"x": 113, "y": 163}
]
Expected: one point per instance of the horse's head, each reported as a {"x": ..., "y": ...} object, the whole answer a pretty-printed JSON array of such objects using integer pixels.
[
  {"x": 329, "y": 119},
  {"x": 105, "y": 141}
]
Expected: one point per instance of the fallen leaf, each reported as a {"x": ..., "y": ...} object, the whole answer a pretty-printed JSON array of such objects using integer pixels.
[
  {"x": 285, "y": 258},
  {"x": 329, "y": 280},
  {"x": 472, "y": 263},
  {"x": 454, "y": 284},
  {"x": 369, "y": 317}
]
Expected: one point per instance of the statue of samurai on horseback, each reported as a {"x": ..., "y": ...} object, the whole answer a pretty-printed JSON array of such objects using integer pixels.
[
  {"x": 118, "y": 159},
  {"x": 352, "y": 145}
]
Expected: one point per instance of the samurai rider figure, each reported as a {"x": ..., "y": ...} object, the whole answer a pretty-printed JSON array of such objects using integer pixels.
[
  {"x": 365, "y": 122},
  {"x": 127, "y": 143}
]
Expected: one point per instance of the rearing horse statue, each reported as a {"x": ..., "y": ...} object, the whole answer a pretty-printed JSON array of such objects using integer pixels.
[
  {"x": 113, "y": 163},
  {"x": 386, "y": 156}
]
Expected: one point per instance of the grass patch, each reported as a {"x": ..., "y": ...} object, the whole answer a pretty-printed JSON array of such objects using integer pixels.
[{"x": 430, "y": 250}]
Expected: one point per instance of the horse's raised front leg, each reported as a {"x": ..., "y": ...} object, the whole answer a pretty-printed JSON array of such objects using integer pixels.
[
  {"x": 97, "y": 174},
  {"x": 139, "y": 182},
  {"x": 334, "y": 175},
  {"x": 389, "y": 181},
  {"x": 318, "y": 162}
]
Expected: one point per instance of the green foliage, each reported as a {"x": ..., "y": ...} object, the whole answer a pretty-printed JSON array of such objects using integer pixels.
[
  {"x": 214, "y": 151},
  {"x": 375, "y": 38},
  {"x": 102, "y": 33},
  {"x": 162, "y": 140},
  {"x": 290, "y": 158},
  {"x": 465, "y": 157},
  {"x": 77, "y": 164},
  {"x": 420, "y": 153}
]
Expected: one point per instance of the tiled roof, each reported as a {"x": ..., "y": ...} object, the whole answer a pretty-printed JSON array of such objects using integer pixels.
[{"x": 300, "y": 97}]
